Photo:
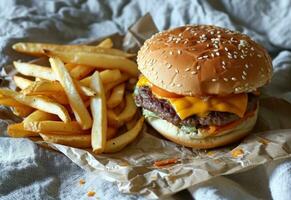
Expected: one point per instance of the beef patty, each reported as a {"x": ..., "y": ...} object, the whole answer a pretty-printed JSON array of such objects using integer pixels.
[{"x": 162, "y": 108}]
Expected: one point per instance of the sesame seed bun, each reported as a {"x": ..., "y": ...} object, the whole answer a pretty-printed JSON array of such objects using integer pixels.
[
  {"x": 199, "y": 140},
  {"x": 204, "y": 60}
]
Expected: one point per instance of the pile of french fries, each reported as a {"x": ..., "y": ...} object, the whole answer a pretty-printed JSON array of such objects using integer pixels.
[{"x": 84, "y": 99}]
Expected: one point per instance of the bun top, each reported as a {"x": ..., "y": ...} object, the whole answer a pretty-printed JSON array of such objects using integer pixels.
[{"x": 204, "y": 60}]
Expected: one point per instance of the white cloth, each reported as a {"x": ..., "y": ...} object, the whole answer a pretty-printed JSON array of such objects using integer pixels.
[{"x": 30, "y": 172}]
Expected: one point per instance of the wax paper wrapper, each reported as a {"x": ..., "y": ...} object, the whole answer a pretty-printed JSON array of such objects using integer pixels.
[{"x": 133, "y": 168}]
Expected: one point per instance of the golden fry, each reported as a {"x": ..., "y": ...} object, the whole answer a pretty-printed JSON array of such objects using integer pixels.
[
  {"x": 81, "y": 71},
  {"x": 98, "y": 109},
  {"x": 71, "y": 128},
  {"x": 107, "y": 43},
  {"x": 40, "y": 103},
  {"x": 21, "y": 82},
  {"x": 124, "y": 139},
  {"x": 39, "y": 115},
  {"x": 80, "y": 111},
  {"x": 122, "y": 79},
  {"x": 116, "y": 96},
  {"x": 78, "y": 141},
  {"x": 7, "y": 101},
  {"x": 17, "y": 130},
  {"x": 129, "y": 110},
  {"x": 97, "y": 60},
  {"x": 29, "y": 69},
  {"x": 22, "y": 111}
]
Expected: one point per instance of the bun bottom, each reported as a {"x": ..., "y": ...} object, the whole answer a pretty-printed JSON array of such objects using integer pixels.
[{"x": 173, "y": 133}]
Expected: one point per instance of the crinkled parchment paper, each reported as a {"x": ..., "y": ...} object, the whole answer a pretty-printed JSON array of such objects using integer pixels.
[{"x": 133, "y": 168}]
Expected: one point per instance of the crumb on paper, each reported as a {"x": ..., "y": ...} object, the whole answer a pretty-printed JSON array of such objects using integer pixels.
[
  {"x": 263, "y": 140},
  {"x": 237, "y": 152},
  {"x": 82, "y": 181},
  {"x": 210, "y": 153},
  {"x": 162, "y": 163},
  {"x": 91, "y": 193}
]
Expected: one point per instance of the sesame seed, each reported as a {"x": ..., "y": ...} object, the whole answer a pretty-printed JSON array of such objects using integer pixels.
[
  {"x": 207, "y": 45},
  {"x": 212, "y": 55},
  {"x": 215, "y": 50},
  {"x": 186, "y": 41},
  {"x": 198, "y": 67},
  {"x": 171, "y": 53},
  {"x": 217, "y": 53},
  {"x": 214, "y": 79},
  {"x": 223, "y": 63},
  {"x": 246, "y": 65},
  {"x": 200, "y": 58},
  {"x": 223, "y": 67},
  {"x": 172, "y": 84},
  {"x": 244, "y": 73},
  {"x": 206, "y": 56},
  {"x": 236, "y": 89},
  {"x": 243, "y": 77},
  {"x": 187, "y": 69},
  {"x": 219, "y": 36},
  {"x": 225, "y": 48},
  {"x": 252, "y": 48},
  {"x": 225, "y": 79},
  {"x": 233, "y": 78},
  {"x": 179, "y": 85},
  {"x": 259, "y": 55},
  {"x": 180, "y": 34},
  {"x": 211, "y": 32},
  {"x": 179, "y": 52},
  {"x": 169, "y": 66},
  {"x": 194, "y": 72},
  {"x": 177, "y": 71},
  {"x": 235, "y": 56}
]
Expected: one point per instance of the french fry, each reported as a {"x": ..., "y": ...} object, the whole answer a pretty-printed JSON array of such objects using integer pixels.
[
  {"x": 7, "y": 101},
  {"x": 60, "y": 98},
  {"x": 17, "y": 130},
  {"x": 70, "y": 66},
  {"x": 108, "y": 76},
  {"x": 122, "y": 79},
  {"x": 80, "y": 111},
  {"x": 111, "y": 133},
  {"x": 113, "y": 119},
  {"x": 22, "y": 111},
  {"x": 40, "y": 103},
  {"x": 53, "y": 87},
  {"x": 130, "y": 124},
  {"x": 118, "y": 143},
  {"x": 29, "y": 69},
  {"x": 116, "y": 96},
  {"x": 70, "y": 128},
  {"x": 78, "y": 141},
  {"x": 36, "y": 49},
  {"x": 97, "y": 60},
  {"x": 98, "y": 109},
  {"x": 118, "y": 109},
  {"x": 39, "y": 115},
  {"x": 81, "y": 71},
  {"x": 107, "y": 43},
  {"x": 129, "y": 110},
  {"x": 21, "y": 82}
]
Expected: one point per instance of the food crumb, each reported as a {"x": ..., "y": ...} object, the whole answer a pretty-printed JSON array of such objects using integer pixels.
[
  {"x": 263, "y": 140},
  {"x": 82, "y": 182},
  {"x": 237, "y": 152},
  {"x": 161, "y": 163},
  {"x": 91, "y": 194}
]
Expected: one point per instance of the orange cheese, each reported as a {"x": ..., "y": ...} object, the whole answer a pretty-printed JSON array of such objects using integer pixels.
[{"x": 190, "y": 105}]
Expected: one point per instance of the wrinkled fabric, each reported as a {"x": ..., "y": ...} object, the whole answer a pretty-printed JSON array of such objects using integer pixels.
[{"x": 31, "y": 172}]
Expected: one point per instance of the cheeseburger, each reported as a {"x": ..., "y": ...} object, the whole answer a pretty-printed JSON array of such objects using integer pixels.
[{"x": 199, "y": 84}]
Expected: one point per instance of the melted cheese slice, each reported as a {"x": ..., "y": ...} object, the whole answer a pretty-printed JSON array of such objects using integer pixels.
[{"x": 190, "y": 105}]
